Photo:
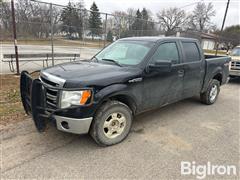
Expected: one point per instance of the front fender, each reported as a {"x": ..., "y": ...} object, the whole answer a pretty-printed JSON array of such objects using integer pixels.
[
  {"x": 109, "y": 91},
  {"x": 114, "y": 90}
]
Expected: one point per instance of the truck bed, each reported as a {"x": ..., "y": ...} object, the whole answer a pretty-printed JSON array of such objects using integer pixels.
[
  {"x": 215, "y": 65},
  {"x": 210, "y": 56}
]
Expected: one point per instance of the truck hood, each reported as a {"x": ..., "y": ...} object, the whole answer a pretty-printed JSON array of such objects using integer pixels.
[
  {"x": 235, "y": 58},
  {"x": 88, "y": 73}
]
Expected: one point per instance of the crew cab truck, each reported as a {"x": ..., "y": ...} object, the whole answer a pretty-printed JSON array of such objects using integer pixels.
[{"x": 132, "y": 75}]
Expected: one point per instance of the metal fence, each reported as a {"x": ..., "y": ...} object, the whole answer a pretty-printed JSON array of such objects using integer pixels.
[
  {"x": 51, "y": 28},
  {"x": 47, "y": 22}
]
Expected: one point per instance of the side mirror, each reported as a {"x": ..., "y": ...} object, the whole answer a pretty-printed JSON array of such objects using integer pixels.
[{"x": 161, "y": 66}]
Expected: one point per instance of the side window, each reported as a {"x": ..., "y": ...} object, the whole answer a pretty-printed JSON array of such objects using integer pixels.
[
  {"x": 191, "y": 52},
  {"x": 166, "y": 51}
]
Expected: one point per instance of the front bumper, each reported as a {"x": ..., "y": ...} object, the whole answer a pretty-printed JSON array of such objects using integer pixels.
[
  {"x": 234, "y": 72},
  {"x": 73, "y": 125},
  {"x": 33, "y": 94}
]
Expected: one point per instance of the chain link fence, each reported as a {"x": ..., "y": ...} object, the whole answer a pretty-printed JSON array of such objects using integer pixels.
[
  {"x": 51, "y": 29},
  {"x": 46, "y": 28},
  {"x": 59, "y": 23}
]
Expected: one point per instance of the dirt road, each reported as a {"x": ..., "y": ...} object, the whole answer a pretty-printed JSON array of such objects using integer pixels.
[{"x": 158, "y": 142}]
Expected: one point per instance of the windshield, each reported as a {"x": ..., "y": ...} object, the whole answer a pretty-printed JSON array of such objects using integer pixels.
[
  {"x": 235, "y": 52},
  {"x": 126, "y": 52}
]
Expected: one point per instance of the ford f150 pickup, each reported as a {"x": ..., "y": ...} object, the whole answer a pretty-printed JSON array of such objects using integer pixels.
[{"x": 132, "y": 75}]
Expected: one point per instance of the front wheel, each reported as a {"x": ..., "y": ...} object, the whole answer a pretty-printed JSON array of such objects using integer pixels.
[
  {"x": 112, "y": 123},
  {"x": 210, "y": 96}
]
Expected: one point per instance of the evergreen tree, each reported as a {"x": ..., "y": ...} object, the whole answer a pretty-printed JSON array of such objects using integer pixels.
[
  {"x": 72, "y": 21},
  {"x": 137, "y": 24},
  {"x": 147, "y": 24},
  {"x": 145, "y": 17},
  {"x": 109, "y": 36},
  {"x": 95, "y": 22}
]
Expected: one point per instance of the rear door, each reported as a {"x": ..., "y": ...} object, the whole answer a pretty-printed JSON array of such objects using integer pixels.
[{"x": 193, "y": 68}]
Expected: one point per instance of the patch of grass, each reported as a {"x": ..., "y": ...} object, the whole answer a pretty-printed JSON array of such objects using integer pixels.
[
  {"x": 13, "y": 95},
  {"x": 11, "y": 109}
]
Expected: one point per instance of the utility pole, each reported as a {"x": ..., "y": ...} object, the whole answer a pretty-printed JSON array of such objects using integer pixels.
[
  {"x": 224, "y": 18},
  {"x": 105, "y": 30},
  {"x": 52, "y": 47},
  {"x": 15, "y": 35}
]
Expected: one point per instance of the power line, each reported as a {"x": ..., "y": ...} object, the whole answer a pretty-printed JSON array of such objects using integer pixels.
[{"x": 191, "y": 4}]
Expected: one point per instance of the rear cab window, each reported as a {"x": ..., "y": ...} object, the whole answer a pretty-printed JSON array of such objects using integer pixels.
[{"x": 191, "y": 52}]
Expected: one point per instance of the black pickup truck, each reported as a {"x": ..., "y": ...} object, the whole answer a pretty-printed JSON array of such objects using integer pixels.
[{"x": 132, "y": 75}]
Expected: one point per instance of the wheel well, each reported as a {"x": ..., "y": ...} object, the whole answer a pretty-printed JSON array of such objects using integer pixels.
[
  {"x": 218, "y": 77},
  {"x": 126, "y": 100}
]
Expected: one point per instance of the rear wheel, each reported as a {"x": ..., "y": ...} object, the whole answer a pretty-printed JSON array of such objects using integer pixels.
[
  {"x": 111, "y": 123},
  {"x": 210, "y": 96}
]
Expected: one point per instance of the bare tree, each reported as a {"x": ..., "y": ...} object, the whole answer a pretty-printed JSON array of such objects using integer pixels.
[
  {"x": 131, "y": 14},
  {"x": 171, "y": 19},
  {"x": 5, "y": 17},
  {"x": 120, "y": 21},
  {"x": 33, "y": 19},
  {"x": 117, "y": 23},
  {"x": 200, "y": 20}
]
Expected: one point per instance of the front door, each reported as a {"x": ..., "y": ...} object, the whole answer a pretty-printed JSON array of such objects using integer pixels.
[{"x": 161, "y": 88}]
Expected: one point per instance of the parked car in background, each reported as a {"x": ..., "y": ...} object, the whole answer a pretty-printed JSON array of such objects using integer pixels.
[
  {"x": 234, "y": 68},
  {"x": 132, "y": 75}
]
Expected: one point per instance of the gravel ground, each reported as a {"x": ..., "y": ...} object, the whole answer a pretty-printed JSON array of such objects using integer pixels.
[{"x": 158, "y": 142}]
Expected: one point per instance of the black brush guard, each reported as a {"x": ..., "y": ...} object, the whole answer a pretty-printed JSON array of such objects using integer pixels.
[
  {"x": 33, "y": 100},
  {"x": 33, "y": 93}
]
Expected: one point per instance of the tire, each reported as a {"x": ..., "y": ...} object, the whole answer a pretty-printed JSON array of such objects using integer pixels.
[
  {"x": 112, "y": 123},
  {"x": 210, "y": 96}
]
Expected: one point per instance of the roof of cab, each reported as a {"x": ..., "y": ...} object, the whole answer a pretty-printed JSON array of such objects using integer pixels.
[{"x": 155, "y": 38}]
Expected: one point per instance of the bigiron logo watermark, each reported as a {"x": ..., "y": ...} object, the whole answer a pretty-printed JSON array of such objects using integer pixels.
[{"x": 201, "y": 171}]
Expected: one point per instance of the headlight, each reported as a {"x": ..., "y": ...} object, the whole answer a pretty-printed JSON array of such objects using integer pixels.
[{"x": 74, "y": 98}]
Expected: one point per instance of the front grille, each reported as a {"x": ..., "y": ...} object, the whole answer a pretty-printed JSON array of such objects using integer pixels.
[
  {"x": 235, "y": 65},
  {"x": 49, "y": 82},
  {"x": 51, "y": 94},
  {"x": 51, "y": 98}
]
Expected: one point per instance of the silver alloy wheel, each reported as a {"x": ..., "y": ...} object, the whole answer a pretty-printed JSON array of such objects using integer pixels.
[
  {"x": 213, "y": 92},
  {"x": 114, "y": 125}
]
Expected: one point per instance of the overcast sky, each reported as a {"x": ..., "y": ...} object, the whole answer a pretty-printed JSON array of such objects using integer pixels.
[{"x": 233, "y": 16}]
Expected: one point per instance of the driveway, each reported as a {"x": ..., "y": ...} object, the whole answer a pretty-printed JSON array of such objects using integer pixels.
[{"x": 158, "y": 142}]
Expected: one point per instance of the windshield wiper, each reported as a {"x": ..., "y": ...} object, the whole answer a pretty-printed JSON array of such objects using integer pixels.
[
  {"x": 111, "y": 60},
  {"x": 95, "y": 58}
]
